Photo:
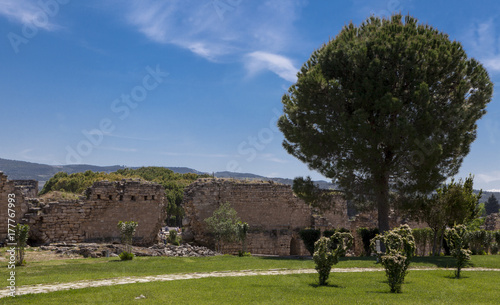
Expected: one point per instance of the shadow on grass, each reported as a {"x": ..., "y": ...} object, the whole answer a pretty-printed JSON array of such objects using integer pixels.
[
  {"x": 315, "y": 285},
  {"x": 438, "y": 261}
]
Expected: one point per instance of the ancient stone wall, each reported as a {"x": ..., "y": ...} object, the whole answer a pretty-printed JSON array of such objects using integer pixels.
[
  {"x": 29, "y": 188},
  {"x": 274, "y": 213},
  {"x": 9, "y": 190},
  {"x": 94, "y": 218}
]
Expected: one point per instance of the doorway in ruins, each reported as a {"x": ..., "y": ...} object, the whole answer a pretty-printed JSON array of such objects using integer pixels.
[{"x": 295, "y": 246}]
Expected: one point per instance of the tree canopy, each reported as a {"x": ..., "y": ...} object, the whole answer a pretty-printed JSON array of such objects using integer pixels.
[
  {"x": 387, "y": 106},
  {"x": 491, "y": 206}
]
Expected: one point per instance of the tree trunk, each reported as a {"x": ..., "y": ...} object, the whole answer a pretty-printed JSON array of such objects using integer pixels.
[
  {"x": 383, "y": 202},
  {"x": 434, "y": 244}
]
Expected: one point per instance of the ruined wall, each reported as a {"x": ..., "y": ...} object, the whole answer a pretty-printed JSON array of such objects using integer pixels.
[
  {"x": 492, "y": 222},
  {"x": 274, "y": 213},
  {"x": 21, "y": 207},
  {"x": 95, "y": 218},
  {"x": 29, "y": 188}
]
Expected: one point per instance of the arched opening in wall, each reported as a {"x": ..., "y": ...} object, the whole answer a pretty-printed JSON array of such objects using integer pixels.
[{"x": 295, "y": 246}]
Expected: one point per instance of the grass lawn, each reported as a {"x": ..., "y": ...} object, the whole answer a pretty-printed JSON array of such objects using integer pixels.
[
  {"x": 70, "y": 270},
  {"x": 421, "y": 287}
]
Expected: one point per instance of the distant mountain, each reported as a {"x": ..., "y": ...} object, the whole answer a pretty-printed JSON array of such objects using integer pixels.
[
  {"x": 19, "y": 170},
  {"x": 42, "y": 172},
  {"x": 321, "y": 183}
]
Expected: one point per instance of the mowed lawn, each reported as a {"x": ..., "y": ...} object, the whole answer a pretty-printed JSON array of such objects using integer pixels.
[{"x": 422, "y": 287}]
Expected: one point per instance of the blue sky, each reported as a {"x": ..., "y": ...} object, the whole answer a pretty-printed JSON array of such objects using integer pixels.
[{"x": 192, "y": 83}]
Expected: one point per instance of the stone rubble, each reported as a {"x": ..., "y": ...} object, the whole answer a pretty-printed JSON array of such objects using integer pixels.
[{"x": 95, "y": 250}]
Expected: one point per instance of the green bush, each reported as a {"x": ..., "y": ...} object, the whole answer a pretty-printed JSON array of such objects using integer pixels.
[
  {"x": 327, "y": 252},
  {"x": 400, "y": 249},
  {"x": 21, "y": 233},
  {"x": 423, "y": 237},
  {"x": 126, "y": 256},
  {"x": 478, "y": 241},
  {"x": 127, "y": 232},
  {"x": 456, "y": 238},
  {"x": 367, "y": 234},
  {"x": 309, "y": 237},
  {"x": 173, "y": 238},
  {"x": 243, "y": 253}
]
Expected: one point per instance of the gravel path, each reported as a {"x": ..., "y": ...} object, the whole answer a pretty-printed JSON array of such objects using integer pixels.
[{"x": 45, "y": 288}]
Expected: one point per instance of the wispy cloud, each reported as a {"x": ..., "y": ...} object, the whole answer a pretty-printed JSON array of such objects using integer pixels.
[
  {"x": 484, "y": 40},
  {"x": 255, "y": 31},
  {"x": 489, "y": 177},
  {"x": 25, "y": 12},
  {"x": 258, "y": 61}
]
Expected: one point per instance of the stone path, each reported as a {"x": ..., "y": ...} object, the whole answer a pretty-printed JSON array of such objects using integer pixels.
[{"x": 45, "y": 288}]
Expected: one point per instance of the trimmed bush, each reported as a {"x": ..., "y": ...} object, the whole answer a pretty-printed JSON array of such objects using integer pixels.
[
  {"x": 309, "y": 237},
  {"x": 327, "y": 252},
  {"x": 456, "y": 237},
  {"x": 400, "y": 249}
]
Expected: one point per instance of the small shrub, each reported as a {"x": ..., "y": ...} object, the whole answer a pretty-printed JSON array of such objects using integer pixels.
[
  {"x": 126, "y": 256},
  {"x": 21, "y": 233},
  {"x": 310, "y": 237},
  {"x": 367, "y": 234},
  {"x": 456, "y": 238},
  {"x": 127, "y": 232},
  {"x": 242, "y": 228},
  {"x": 242, "y": 253},
  {"x": 327, "y": 252},
  {"x": 173, "y": 238}
]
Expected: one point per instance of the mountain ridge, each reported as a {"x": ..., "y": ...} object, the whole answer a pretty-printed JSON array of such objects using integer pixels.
[{"x": 23, "y": 170}]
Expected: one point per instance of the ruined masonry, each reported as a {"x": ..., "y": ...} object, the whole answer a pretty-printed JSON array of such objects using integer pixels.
[
  {"x": 274, "y": 213},
  {"x": 93, "y": 218}
]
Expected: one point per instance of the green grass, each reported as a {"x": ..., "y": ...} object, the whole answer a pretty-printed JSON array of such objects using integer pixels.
[
  {"x": 101, "y": 268},
  {"x": 421, "y": 287}
]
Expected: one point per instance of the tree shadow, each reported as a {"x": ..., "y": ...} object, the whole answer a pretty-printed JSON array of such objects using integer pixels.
[{"x": 316, "y": 285}]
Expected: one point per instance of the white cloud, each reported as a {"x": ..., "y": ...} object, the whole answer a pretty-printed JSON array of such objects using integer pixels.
[
  {"x": 484, "y": 40},
  {"x": 493, "y": 190},
  {"x": 282, "y": 66},
  {"x": 26, "y": 12},
  {"x": 489, "y": 177},
  {"x": 224, "y": 33}
]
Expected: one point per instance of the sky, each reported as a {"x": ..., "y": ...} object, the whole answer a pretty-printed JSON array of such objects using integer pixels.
[{"x": 194, "y": 83}]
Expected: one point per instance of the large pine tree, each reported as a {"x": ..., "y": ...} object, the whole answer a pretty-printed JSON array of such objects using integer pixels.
[{"x": 390, "y": 105}]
